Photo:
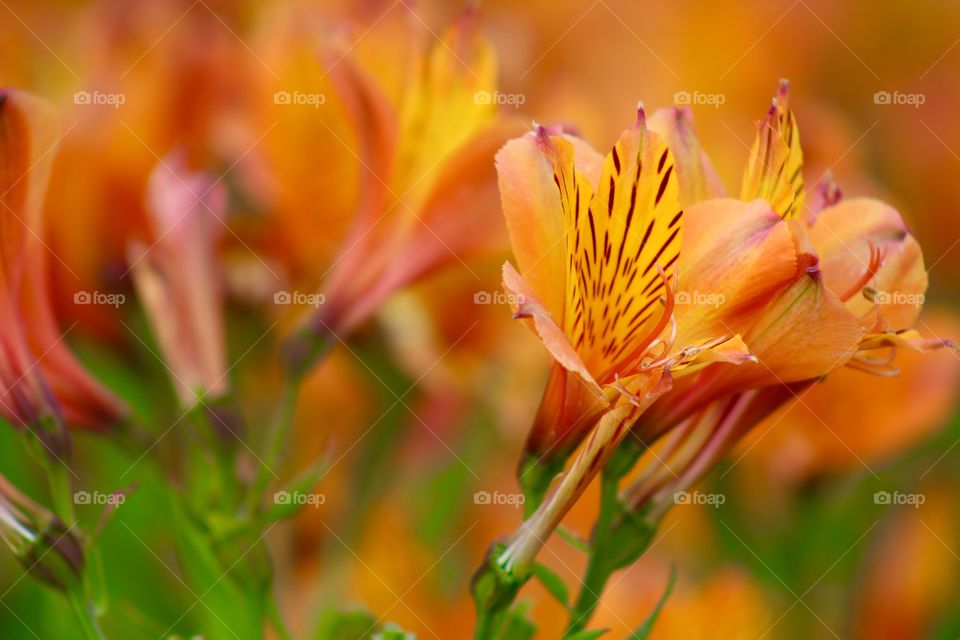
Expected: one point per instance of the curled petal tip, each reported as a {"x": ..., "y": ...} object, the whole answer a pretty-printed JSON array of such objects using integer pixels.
[
  {"x": 641, "y": 115},
  {"x": 543, "y": 138},
  {"x": 782, "y": 99},
  {"x": 808, "y": 263}
]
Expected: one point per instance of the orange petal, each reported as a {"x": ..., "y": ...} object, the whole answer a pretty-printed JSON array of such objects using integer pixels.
[
  {"x": 804, "y": 333},
  {"x": 736, "y": 256},
  {"x": 842, "y": 236},
  {"x": 527, "y": 306},
  {"x": 28, "y": 135},
  {"x": 698, "y": 178},
  {"x": 531, "y": 206}
]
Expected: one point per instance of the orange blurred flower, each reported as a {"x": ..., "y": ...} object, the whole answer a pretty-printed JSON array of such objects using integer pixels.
[
  {"x": 427, "y": 191},
  {"x": 41, "y": 378}
]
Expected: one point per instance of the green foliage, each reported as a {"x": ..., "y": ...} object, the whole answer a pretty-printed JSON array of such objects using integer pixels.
[
  {"x": 553, "y": 583},
  {"x": 644, "y": 630}
]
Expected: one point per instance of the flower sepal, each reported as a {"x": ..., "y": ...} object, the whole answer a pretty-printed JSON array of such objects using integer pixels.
[{"x": 494, "y": 588}]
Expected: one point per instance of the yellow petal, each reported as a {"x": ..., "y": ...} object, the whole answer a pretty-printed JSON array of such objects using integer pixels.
[
  {"x": 775, "y": 168},
  {"x": 622, "y": 244}
]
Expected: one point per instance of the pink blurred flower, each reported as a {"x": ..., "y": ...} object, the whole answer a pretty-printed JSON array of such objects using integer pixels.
[{"x": 177, "y": 278}]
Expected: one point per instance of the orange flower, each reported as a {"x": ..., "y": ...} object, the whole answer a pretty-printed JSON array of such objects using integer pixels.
[
  {"x": 427, "y": 189},
  {"x": 40, "y": 377},
  {"x": 178, "y": 282},
  {"x": 740, "y": 253},
  {"x": 597, "y": 267},
  {"x": 751, "y": 291}
]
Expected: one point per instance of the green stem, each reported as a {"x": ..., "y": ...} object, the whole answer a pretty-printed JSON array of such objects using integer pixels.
[
  {"x": 276, "y": 619},
  {"x": 85, "y": 616},
  {"x": 487, "y": 624},
  {"x": 61, "y": 491},
  {"x": 279, "y": 429},
  {"x": 597, "y": 572}
]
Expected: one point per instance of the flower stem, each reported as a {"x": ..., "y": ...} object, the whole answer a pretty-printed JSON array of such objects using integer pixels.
[
  {"x": 85, "y": 616},
  {"x": 597, "y": 572},
  {"x": 277, "y": 435},
  {"x": 276, "y": 619}
]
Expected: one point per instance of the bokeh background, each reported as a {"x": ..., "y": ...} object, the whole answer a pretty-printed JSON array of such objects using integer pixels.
[{"x": 431, "y": 401}]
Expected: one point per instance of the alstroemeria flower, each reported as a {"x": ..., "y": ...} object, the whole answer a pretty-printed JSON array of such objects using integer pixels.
[
  {"x": 40, "y": 379},
  {"x": 760, "y": 284},
  {"x": 177, "y": 278},
  {"x": 757, "y": 274},
  {"x": 599, "y": 243},
  {"x": 427, "y": 187}
]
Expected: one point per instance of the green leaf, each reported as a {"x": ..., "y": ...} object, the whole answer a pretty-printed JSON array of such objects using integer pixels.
[
  {"x": 573, "y": 539},
  {"x": 587, "y": 634},
  {"x": 643, "y": 631},
  {"x": 554, "y": 583},
  {"x": 234, "y": 606},
  {"x": 516, "y": 625},
  {"x": 284, "y": 503}
]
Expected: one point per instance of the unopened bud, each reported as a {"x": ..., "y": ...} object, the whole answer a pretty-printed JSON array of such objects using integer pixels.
[{"x": 47, "y": 549}]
